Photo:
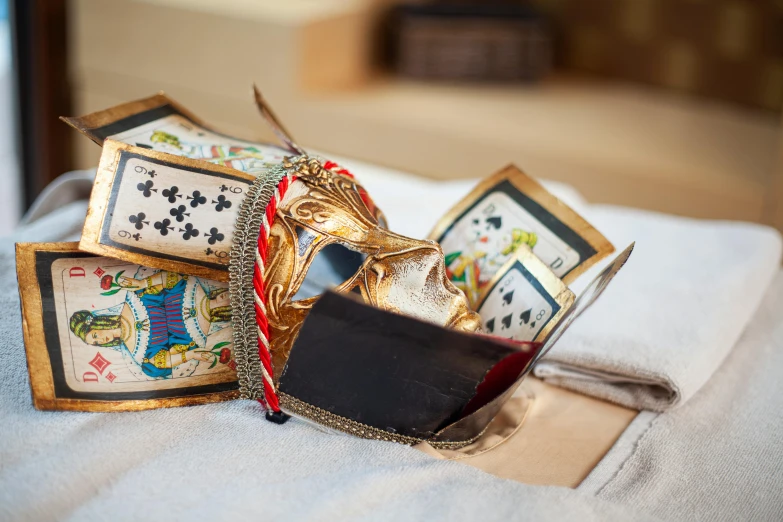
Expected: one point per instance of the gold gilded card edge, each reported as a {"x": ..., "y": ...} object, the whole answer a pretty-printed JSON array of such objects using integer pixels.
[
  {"x": 98, "y": 207},
  {"x": 116, "y": 146},
  {"x": 101, "y": 190},
  {"x": 95, "y": 120},
  {"x": 178, "y": 267},
  {"x": 535, "y": 191},
  {"x": 567, "y": 297},
  {"x": 59, "y": 404},
  {"x": 39, "y": 366}
]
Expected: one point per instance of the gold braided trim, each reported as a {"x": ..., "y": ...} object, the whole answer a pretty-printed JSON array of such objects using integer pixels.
[
  {"x": 171, "y": 280},
  {"x": 294, "y": 406}
]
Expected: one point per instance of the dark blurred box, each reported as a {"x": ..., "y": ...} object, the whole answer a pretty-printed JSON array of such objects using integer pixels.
[
  {"x": 725, "y": 49},
  {"x": 471, "y": 42}
]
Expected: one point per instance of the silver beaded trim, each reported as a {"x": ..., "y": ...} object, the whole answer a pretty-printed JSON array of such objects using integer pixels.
[
  {"x": 296, "y": 407},
  {"x": 240, "y": 269}
]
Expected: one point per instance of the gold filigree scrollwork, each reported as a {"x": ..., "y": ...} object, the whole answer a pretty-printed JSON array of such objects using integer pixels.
[{"x": 398, "y": 274}]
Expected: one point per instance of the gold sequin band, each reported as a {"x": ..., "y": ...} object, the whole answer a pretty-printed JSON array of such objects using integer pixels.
[
  {"x": 159, "y": 360},
  {"x": 180, "y": 348}
]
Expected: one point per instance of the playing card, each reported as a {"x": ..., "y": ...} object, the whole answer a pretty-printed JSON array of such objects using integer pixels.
[
  {"x": 158, "y": 123},
  {"x": 168, "y": 212},
  {"x": 106, "y": 335},
  {"x": 504, "y": 213},
  {"x": 524, "y": 300}
]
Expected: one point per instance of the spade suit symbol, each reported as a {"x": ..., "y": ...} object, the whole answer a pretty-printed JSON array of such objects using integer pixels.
[
  {"x": 506, "y": 321},
  {"x": 507, "y": 298},
  {"x": 524, "y": 317},
  {"x": 494, "y": 222},
  {"x": 491, "y": 325}
]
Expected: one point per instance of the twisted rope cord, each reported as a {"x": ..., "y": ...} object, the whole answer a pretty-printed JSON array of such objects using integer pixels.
[
  {"x": 241, "y": 270},
  {"x": 270, "y": 399},
  {"x": 259, "y": 295}
]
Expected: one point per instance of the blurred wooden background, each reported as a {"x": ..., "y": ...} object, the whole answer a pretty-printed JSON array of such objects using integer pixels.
[{"x": 617, "y": 141}]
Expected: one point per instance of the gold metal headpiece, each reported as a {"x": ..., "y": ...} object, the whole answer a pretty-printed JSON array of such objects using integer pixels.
[{"x": 309, "y": 170}]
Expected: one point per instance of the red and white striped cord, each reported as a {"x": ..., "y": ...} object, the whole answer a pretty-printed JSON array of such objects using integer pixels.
[
  {"x": 270, "y": 399},
  {"x": 337, "y": 169}
]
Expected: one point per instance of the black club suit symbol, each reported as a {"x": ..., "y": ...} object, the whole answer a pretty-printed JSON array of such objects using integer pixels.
[
  {"x": 146, "y": 188},
  {"x": 171, "y": 194},
  {"x": 214, "y": 236},
  {"x": 222, "y": 203},
  {"x": 138, "y": 220},
  {"x": 197, "y": 198},
  {"x": 189, "y": 231},
  {"x": 163, "y": 226},
  {"x": 179, "y": 213}
]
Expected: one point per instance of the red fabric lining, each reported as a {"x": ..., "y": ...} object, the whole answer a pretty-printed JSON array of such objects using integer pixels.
[{"x": 502, "y": 375}]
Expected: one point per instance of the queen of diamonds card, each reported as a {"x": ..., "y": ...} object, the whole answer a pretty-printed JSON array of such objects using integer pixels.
[{"x": 114, "y": 331}]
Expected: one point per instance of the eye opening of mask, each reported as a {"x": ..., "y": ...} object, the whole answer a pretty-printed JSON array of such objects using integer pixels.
[{"x": 333, "y": 265}]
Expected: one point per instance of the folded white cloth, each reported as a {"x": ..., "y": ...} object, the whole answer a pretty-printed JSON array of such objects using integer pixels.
[
  {"x": 672, "y": 314},
  {"x": 668, "y": 319}
]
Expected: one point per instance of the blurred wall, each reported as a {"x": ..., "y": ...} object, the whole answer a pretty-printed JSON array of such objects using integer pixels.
[
  {"x": 724, "y": 49},
  {"x": 616, "y": 143}
]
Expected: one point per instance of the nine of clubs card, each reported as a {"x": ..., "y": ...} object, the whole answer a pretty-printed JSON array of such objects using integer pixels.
[
  {"x": 166, "y": 212},
  {"x": 114, "y": 331}
]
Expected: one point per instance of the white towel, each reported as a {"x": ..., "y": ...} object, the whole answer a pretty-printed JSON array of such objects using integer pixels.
[
  {"x": 222, "y": 461},
  {"x": 720, "y": 456}
]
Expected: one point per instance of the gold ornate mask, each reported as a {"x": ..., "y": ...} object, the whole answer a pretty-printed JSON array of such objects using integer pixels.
[{"x": 328, "y": 233}]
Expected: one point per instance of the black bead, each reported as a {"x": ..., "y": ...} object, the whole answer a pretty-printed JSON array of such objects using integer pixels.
[{"x": 278, "y": 417}]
